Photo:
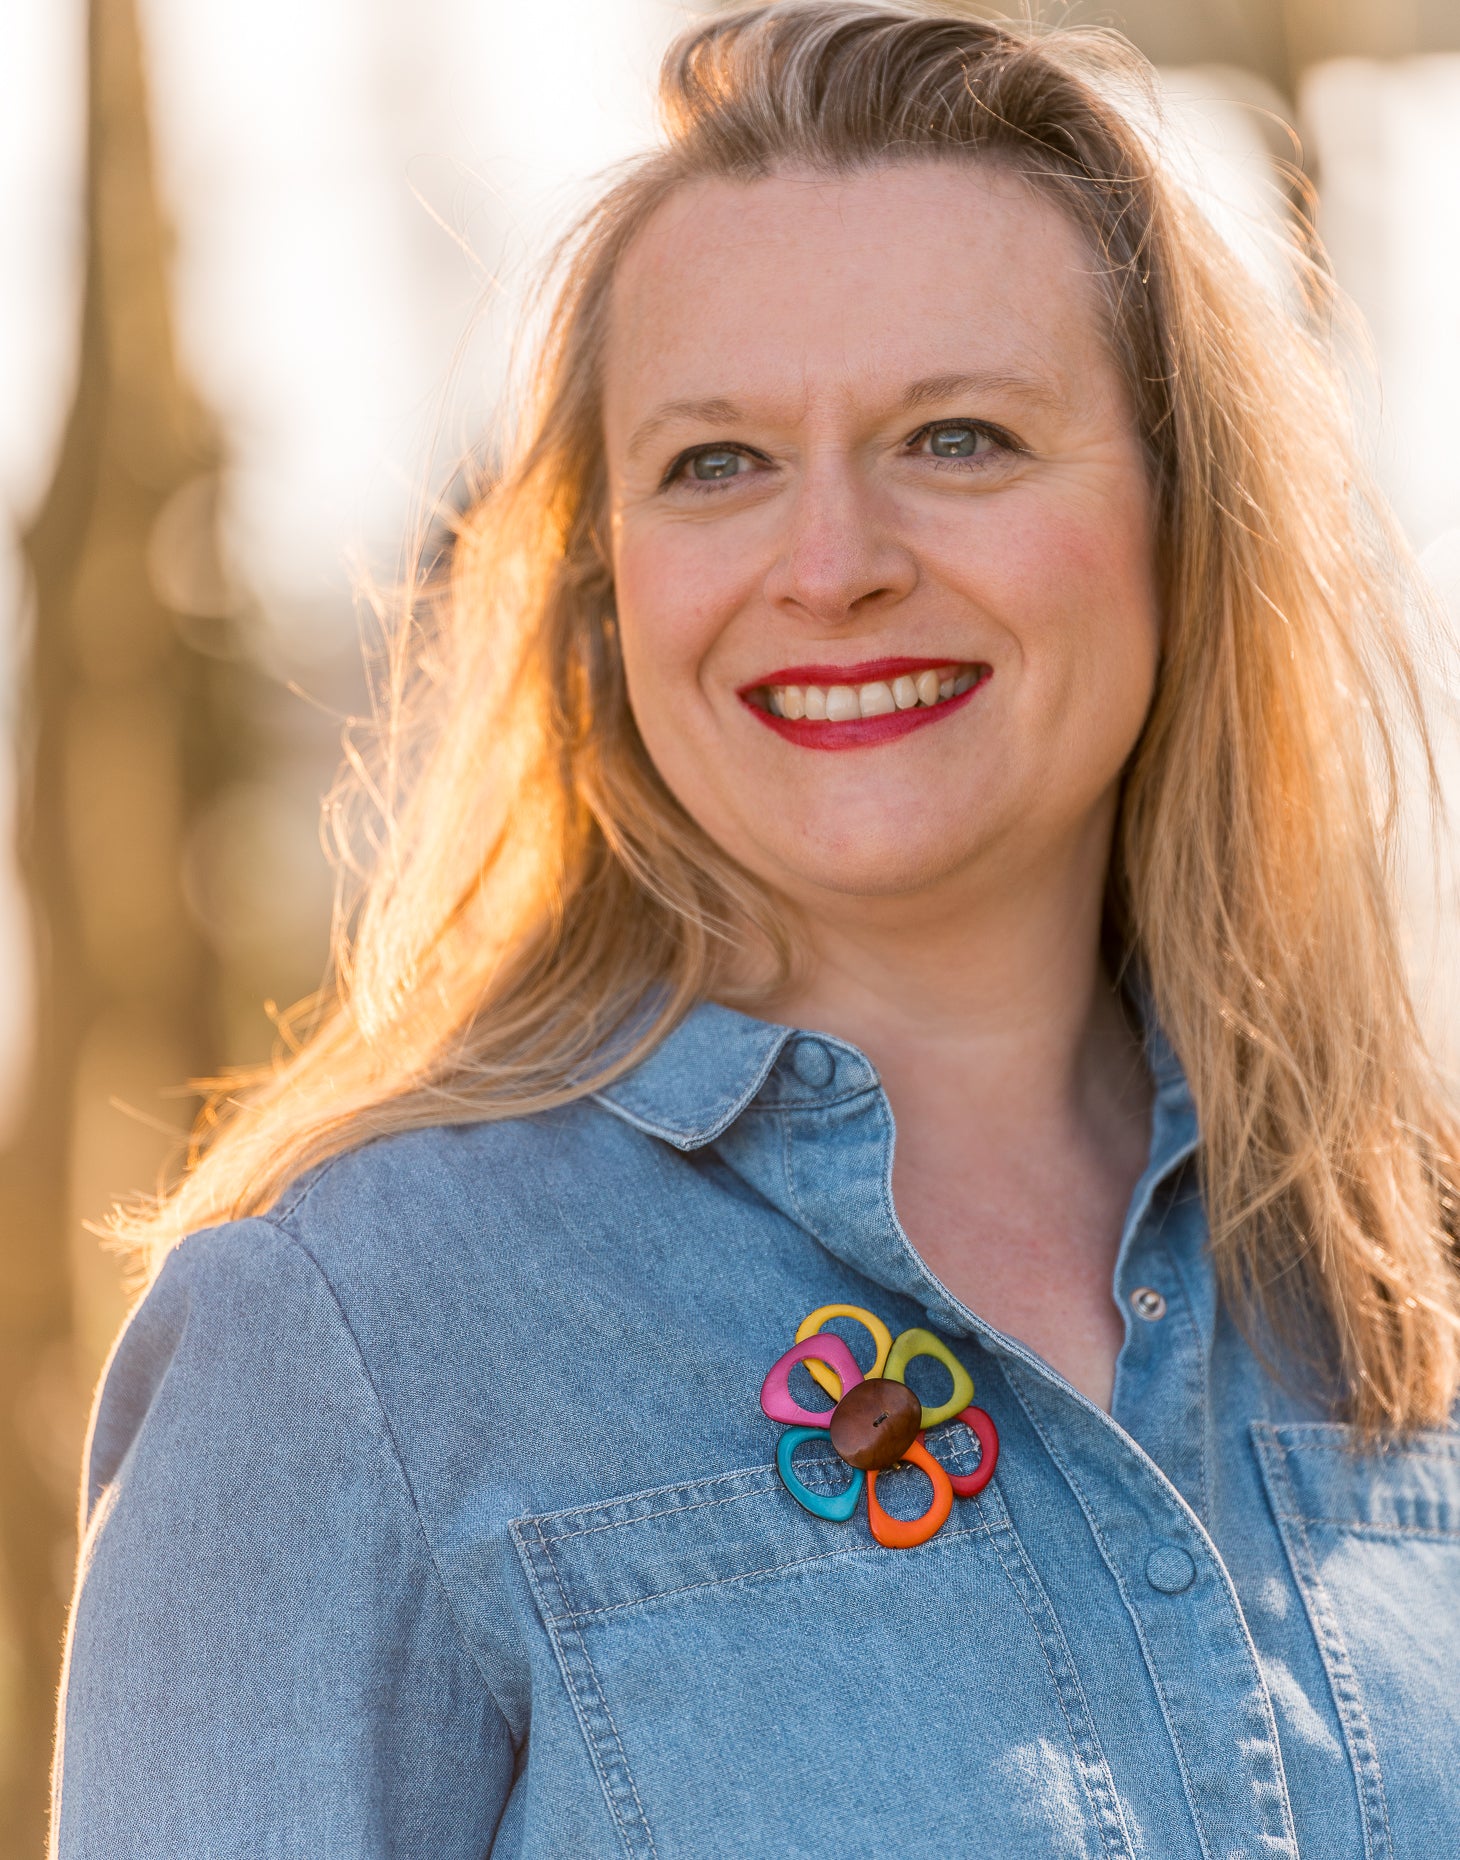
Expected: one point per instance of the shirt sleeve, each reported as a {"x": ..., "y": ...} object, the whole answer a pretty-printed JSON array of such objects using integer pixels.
[{"x": 261, "y": 1659}]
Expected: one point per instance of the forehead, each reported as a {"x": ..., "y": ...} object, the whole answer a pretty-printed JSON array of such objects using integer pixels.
[{"x": 802, "y": 284}]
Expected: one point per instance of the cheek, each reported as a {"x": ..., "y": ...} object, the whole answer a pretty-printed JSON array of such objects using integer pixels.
[
  {"x": 1074, "y": 586},
  {"x": 671, "y": 604},
  {"x": 1103, "y": 617},
  {"x": 1093, "y": 568}
]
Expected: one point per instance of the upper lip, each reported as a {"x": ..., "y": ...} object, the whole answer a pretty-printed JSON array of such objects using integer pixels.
[{"x": 862, "y": 672}]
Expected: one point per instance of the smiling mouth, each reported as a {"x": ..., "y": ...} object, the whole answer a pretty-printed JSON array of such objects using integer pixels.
[{"x": 871, "y": 703}]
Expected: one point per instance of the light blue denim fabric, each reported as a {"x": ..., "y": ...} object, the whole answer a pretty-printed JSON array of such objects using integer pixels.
[{"x": 435, "y": 1515}]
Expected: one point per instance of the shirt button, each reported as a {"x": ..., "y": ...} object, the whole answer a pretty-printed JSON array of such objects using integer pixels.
[
  {"x": 1148, "y": 1303},
  {"x": 1170, "y": 1570},
  {"x": 812, "y": 1064}
]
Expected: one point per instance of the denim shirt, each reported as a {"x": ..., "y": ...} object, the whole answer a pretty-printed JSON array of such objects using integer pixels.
[{"x": 436, "y": 1515}]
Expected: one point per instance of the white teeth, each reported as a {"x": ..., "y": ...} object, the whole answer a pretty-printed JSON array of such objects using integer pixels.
[{"x": 880, "y": 698}]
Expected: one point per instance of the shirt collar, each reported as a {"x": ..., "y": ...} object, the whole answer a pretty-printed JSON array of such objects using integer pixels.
[
  {"x": 711, "y": 1066},
  {"x": 700, "y": 1076}
]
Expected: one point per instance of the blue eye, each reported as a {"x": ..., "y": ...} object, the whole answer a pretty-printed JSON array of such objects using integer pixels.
[
  {"x": 715, "y": 464},
  {"x": 954, "y": 442}
]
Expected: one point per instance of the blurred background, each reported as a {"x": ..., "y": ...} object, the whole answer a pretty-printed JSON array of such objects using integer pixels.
[{"x": 261, "y": 264}]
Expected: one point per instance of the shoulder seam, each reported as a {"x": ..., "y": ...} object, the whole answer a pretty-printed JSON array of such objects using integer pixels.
[
  {"x": 294, "y": 1241},
  {"x": 297, "y": 1193}
]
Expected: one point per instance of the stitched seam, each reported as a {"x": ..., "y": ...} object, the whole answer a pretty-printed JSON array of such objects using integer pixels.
[
  {"x": 655, "y": 1491},
  {"x": 681, "y": 1139},
  {"x": 1368, "y": 1761},
  {"x": 788, "y": 1163},
  {"x": 1342, "y": 1681},
  {"x": 1189, "y": 1313},
  {"x": 815, "y": 1102},
  {"x": 622, "y": 1753},
  {"x": 889, "y": 1144},
  {"x": 552, "y": 1563},
  {"x": 472, "y": 1653},
  {"x": 1362, "y": 1527},
  {"x": 670, "y": 1511},
  {"x": 770, "y": 1569},
  {"x": 298, "y": 1193},
  {"x": 1294, "y": 1439},
  {"x": 608, "y": 1787},
  {"x": 960, "y": 1462},
  {"x": 1103, "y": 1815},
  {"x": 762, "y": 1472},
  {"x": 726, "y": 1110},
  {"x": 570, "y": 1682}
]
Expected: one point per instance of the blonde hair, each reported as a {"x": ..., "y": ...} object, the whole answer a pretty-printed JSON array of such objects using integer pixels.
[{"x": 534, "y": 883}]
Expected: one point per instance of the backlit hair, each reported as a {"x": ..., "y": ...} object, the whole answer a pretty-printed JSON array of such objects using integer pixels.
[{"x": 533, "y": 880}]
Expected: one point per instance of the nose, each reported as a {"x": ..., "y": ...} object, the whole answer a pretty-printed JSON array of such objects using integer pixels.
[{"x": 840, "y": 556}]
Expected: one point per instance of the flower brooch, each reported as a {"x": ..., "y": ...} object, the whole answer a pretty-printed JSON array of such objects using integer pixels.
[{"x": 877, "y": 1422}]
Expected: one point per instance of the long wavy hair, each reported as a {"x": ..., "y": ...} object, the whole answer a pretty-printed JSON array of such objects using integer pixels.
[{"x": 532, "y": 883}]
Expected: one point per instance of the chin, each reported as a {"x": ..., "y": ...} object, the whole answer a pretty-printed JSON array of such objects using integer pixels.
[{"x": 897, "y": 871}]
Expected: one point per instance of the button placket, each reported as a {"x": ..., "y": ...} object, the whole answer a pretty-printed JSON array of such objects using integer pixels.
[
  {"x": 1199, "y": 1652},
  {"x": 1161, "y": 1393}
]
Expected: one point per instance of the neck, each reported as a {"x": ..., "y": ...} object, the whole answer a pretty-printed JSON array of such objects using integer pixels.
[{"x": 998, "y": 987}]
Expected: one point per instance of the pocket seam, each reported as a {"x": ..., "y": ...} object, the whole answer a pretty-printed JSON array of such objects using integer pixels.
[
  {"x": 1360, "y": 1527},
  {"x": 1347, "y": 1451},
  {"x": 1343, "y": 1679},
  {"x": 652, "y": 1491},
  {"x": 669, "y": 1511},
  {"x": 759, "y": 1480},
  {"x": 750, "y": 1575},
  {"x": 612, "y": 1790}
]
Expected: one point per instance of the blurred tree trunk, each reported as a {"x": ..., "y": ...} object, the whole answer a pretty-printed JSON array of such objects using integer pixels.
[{"x": 115, "y": 752}]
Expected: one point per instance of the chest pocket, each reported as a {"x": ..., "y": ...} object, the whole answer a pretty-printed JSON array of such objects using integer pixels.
[
  {"x": 1373, "y": 1539},
  {"x": 752, "y": 1680}
]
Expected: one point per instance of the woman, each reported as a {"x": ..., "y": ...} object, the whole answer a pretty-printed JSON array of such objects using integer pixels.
[{"x": 932, "y": 653}]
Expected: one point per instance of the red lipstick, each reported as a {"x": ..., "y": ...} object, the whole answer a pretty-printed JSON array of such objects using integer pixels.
[{"x": 859, "y": 732}]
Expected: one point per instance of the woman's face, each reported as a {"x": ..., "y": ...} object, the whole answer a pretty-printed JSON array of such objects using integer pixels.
[{"x": 881, "y": 529}]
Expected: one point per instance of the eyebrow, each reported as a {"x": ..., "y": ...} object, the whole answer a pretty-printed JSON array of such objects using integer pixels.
[
  {"x": 932, "y": 388},
  {"x": 1034, "y": 388},
  {"x": 697, "y": 412}
]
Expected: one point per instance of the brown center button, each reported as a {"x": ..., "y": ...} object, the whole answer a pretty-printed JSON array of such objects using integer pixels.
[{"x": 875, "y": 1423}]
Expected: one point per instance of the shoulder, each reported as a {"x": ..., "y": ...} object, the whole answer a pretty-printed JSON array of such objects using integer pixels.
[
  {"x": 445, "y": 1243},
  {"x": 467, "y": 1195},
  {"x": 239, "y": 1336},
  {"x": 411, "y": 1225}
]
